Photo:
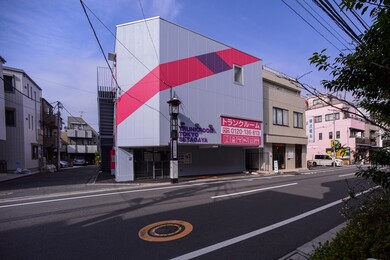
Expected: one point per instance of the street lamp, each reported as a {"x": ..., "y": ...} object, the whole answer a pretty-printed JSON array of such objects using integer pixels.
[{"x": 174, "y": 112}]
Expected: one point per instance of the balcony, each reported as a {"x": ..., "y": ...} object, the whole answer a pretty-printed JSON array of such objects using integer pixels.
[
  {"x": 50, "y": 121},
  {"x": 82, "y": 149},
  {"x": 360, "y": 141},
  {"x": 50, "y": 141},
  {"x": 74, "y": 133}
]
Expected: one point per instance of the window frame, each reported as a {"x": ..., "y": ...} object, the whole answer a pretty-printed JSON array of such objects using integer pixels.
[
  {"x": 34, "y": 152},
  {"x": 329, "y": 117},
  {"x": 316, "y": 119},
  {"x": 8, "y": 89},
  {"x": 296, "y": 122},
  {"x": 7, "y": 122},
  {"x": 284, "y": 116},
  {"x": 319, "y": 136},
  {"x": 240, "y": 80},
  {"x": 337, "y": 134},
  {"x": 330, "y": 135}
]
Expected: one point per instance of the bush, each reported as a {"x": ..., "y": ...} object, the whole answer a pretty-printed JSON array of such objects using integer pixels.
[{"x": 367, "y": 234}]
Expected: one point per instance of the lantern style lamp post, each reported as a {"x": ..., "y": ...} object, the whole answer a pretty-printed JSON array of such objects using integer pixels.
[{"x": 174, "y": 112}]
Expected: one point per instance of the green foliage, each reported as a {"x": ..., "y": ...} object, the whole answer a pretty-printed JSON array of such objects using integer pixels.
[
  {"x": 367, "y": 234},
  {"x": 365, "y": 72}
]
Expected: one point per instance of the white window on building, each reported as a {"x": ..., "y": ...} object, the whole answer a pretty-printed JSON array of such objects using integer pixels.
[
  {"x": 317, "y": 102},
  {"x": 329, "y": 117},
  {"x": 238, "y": 75},
  {"x": 317, "y": 119},
  {"x": 280, "y": 116}
]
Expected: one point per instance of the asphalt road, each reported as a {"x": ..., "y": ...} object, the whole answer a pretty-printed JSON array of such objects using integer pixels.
[{"x": 244, "y": 218}]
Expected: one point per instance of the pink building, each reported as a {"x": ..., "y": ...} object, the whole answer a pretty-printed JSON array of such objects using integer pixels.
[{"x": 327, "y": 125}]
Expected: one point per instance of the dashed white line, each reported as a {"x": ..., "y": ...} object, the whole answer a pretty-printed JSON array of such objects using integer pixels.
[
  {"x": 251, "y": 191},
  {"x": 349, "y": 174},
  {"x": 260, "y": 231}
]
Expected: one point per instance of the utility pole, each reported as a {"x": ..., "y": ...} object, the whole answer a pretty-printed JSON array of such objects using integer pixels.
[
  {"x": 334, "y": 139},
  {"x": 59, "y": 106}
]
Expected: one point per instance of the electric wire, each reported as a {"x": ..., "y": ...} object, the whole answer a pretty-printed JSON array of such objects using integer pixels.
[
  {"x": 321, "y": 24},
  {"x": 327, "y": 7},
  {"x": 124, "y": 46},
  {"x": 353, "y": 23},
  {"x": 311, "y": 25},
  {"x": 329, "y": 26},
  {"x": 154, "y": 47},
  {"x": 14, "y": 88},
  {"x": 112, "y": 73}
]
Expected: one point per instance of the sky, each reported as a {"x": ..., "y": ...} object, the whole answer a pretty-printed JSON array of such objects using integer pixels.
[{"x": 52, "y": 41}]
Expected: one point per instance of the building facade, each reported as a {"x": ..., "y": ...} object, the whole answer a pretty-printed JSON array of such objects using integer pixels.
[
  {"x": 221, "y": 94},
  {"x": 285, "y": 140},
  {"x": 336, "y": 130},
  {"x": 82, "y": 140},
  {"x": 23, "y": 146},
  {"x": 2, "y": 103},
  {"x": 51, "y": 125}
]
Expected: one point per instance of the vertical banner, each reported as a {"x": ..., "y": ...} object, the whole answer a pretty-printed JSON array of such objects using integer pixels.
[
  {"x": 237, "y": 131},
  {"x": 310, "y": 129}
]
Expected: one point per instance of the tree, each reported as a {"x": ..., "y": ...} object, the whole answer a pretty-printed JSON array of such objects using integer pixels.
[{"x": 365, "y": 72}]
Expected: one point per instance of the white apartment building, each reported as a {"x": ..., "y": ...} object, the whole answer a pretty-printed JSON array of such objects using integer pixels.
[{"x": 22, "y": 147}]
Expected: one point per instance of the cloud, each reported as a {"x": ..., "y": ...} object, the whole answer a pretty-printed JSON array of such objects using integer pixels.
[{"x": 168, "y": 9}]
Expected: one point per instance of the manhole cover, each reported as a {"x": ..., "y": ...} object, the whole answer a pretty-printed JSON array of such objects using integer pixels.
[{"x": 165, "y": 231}]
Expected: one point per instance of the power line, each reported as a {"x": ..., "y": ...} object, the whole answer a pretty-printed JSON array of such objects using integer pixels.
[
  {"x": 14, "y": 88},
  {"x": 321, "y": 23},
  {"x": 132, "y": 54},
  {"x": 348, "y": 18},
  {"x": 112, "y": 73},
  {"x": 327, "y": 7},
  {"x": 310, "y": 25},
  {"x": 330, "y": 26}
]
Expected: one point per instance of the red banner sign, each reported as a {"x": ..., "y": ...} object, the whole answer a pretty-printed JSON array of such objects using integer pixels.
[{"x": 240, "y": 132}]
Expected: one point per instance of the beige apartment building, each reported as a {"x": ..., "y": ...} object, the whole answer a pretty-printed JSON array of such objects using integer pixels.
[{"x": 285, "y": 140}]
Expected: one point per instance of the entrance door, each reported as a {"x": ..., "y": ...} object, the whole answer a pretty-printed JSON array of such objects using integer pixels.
[
  {"x": 278, "y": 154},
  {"x": 298, "y": 156},
  {"x": 252, "y": 159}
]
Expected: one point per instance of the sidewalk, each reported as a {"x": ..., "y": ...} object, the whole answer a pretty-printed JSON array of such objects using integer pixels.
[
  {"x": 303, "y": 252},
  {"x": 11, "y": 176}
]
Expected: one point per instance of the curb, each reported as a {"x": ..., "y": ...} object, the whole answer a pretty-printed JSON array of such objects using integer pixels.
[{"x": 303, "y": 252}]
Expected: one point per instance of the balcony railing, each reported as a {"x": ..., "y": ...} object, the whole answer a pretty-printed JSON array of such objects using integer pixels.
[
  {"x": 75, "y": 133},
  {"x": 82, "y": 148},
  {"x": 50, "y": 141},
  {"x": 50, "y": 120},
  {"x": 365, "y": 141}
]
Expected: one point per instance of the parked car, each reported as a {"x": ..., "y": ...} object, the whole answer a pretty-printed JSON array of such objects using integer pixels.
[
  {"x": 325, "y": 160},
  {"x": 64, "y": 164},
  {"x": 78, "y": 161}
]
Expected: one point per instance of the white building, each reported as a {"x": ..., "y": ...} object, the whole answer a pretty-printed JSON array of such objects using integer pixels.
[
  {"x": 220, "y": 88},
  {"x": 22, "y": 147},
  {"x": 2, "y": 103}
]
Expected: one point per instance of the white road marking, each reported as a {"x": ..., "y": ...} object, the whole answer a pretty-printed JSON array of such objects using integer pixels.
[
  {"x": 256, "y": 190},
  {"x": 260, "y": 231},
  {"x": 349, "y": 174},
  {"x": 108, "y": 194}
]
